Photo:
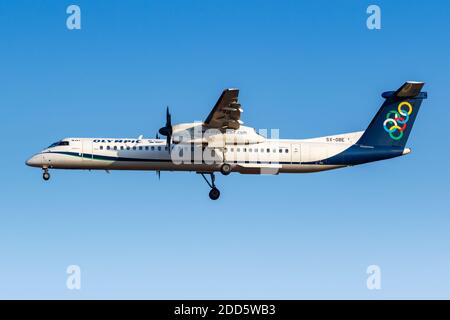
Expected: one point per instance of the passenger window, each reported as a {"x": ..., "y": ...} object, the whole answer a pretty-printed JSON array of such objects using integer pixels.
[
  {"x": 245, "y": 149},
  {"x": 134, "y": 148},
  {"x": 146, "y": 148},
  {"x": 115, "y": 147},
  {"x": 121, "y": 147},
  {"x": 108, "y": 147},
  {"x": 128, "y": 148},
  {"x": 159, "y": 148},
  {"x": 281, "y": 150},
  {"x": 101, "y": 147},
  {"x": 153, "y": 148},
  {"x": 268, "y": 150},
  {"x": 140, "y": 148},
  {"x": 286, "y": 150},
  {"x": 238, "y": 149}
]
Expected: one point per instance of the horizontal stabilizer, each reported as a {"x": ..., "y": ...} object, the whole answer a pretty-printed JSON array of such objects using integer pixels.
[{"x": 410, "y": 89}]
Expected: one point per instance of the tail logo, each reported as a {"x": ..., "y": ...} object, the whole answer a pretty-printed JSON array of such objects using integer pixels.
[{"x": 396, "y": 121}]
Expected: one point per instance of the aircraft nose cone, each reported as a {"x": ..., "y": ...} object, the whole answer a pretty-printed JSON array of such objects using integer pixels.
[{"x": 34, "y": 161}]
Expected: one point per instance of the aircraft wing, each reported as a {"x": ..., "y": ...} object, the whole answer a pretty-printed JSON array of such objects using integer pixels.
[{"x": 226, "y": 114}]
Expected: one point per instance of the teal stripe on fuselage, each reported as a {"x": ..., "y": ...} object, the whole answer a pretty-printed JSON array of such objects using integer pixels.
[{"x": 109, "y": 158}]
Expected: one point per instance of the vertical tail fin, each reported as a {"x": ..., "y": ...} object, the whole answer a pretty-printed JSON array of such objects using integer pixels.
[{"x": 392, "y": 124}]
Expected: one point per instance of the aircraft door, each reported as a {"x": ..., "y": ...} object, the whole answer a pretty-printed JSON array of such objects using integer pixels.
[
  {"x": 76, "y": 146},
  {"x": 295, "y": 153},
  {"x": 87, "y": 150}
]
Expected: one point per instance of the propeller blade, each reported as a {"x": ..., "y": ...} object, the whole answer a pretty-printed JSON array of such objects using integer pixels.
[
  {"x": 158, "y": 173},
  {"x": 167, "y": 130},
  {"x": 168, "y": 118}
]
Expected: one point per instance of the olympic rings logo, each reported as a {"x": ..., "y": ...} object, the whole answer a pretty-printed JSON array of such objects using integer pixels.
[{"x": 395, "y": 123}]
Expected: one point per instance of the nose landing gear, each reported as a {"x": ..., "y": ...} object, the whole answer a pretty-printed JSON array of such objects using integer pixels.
[
  {"x": 214, "y": 194},
  {"x": 45, "y": 174}
]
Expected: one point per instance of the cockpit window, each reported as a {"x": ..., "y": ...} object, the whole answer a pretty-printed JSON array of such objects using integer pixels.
[{"x": 59, "y": 143}]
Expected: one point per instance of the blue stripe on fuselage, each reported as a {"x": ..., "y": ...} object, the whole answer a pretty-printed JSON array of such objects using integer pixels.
[{"x": 359, "y": 154}]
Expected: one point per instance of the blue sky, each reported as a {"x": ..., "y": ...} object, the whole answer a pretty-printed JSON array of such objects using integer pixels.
[{"x": 308, "y": 68}]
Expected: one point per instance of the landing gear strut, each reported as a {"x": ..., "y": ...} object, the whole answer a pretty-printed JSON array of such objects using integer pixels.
[
  {"x": 214, "y": 194},
  {"x": 45, "y": 175}
]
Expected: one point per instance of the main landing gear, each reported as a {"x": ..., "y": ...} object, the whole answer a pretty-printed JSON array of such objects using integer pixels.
[
  {"x": 45, "y": 174},
  {"x": 225, "y": 169},
  {"x": 214, "y": 194}
]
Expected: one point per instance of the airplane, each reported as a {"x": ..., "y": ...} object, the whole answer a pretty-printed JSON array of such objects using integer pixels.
[{"x": 223, "y": 144}]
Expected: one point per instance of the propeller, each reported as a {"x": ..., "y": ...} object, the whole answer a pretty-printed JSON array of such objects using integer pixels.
[{"x": 167, "y": 130}]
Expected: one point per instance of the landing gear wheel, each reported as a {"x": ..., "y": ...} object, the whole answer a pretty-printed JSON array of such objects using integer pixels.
[
  {"x": 214, "y": 194},
  {"x": 225, "y": 169},
  {"x": 46, "y": 176}
]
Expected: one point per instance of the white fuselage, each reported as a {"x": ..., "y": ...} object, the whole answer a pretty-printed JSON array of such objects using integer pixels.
[{"x": 268, "y": 156}]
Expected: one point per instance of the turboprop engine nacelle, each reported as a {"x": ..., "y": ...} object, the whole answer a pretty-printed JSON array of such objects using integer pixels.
[
  {"x": 241, "y": 136},
  {"x": 197, "y": 132}
]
